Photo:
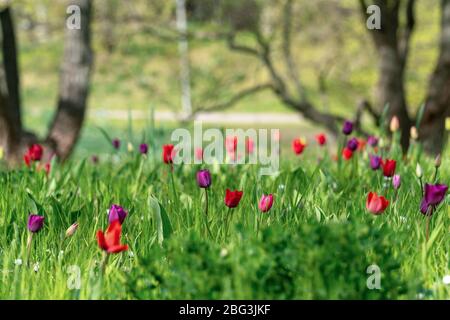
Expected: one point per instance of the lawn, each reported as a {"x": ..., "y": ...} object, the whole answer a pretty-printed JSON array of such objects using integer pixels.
[{"x": 318, "y": 241}]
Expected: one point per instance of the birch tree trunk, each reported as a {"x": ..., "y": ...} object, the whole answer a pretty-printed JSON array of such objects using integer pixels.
[{"x": 183, "y": 49}]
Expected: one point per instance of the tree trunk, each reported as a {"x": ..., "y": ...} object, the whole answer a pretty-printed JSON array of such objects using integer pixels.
[
  {"x": 183, "y": 50},
  {"x": 392, "y": 43},
  {"x": 391, "y": 91},
  {"x": 432, "y": 128},
  {"x": 74, "y": 85},
  {"x": 10, "y": 121},
  {"x": 10, "y": 65}
]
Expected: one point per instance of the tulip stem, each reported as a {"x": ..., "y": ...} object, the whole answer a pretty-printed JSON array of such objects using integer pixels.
[
  {"x": 436, "y": 170},
  {"x": 29, "y": 242},
  {"x": 104, "y": 262},
  {"x": 173, "y": 183},
  {"x": 206, "y": 213},
  {"x": 227, "y": 222},
  {"x": 427, "y": 228},
  {"x": 421, "y": 186},
  {"x": 206, "y": 202}
]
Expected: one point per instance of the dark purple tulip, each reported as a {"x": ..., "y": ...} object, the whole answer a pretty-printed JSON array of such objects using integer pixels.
[
  {"x": 143, "y": 148},
  {"x": 434, "y": 194},
  {"x": 203, "y": 179},
  {"x": 372, "y": 141},
  {"x": 35, "y": 223},
  {"x": 352, "y": 144},
  {"x": 116, "y": 144},
  {"x": 347, "y": 128},
  {"x": 116, "y": 212},
  {"x": 94, "y": 159},
  {"x": 375, "y": 162}
]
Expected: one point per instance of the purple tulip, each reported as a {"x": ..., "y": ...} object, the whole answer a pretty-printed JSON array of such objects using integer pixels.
[
  {"x": 116, "y": 212},
  {"x": 143, "y": 148},
  {"x": 396, "y": 181},
  {"x": 35, "y": 223},
  {"x": 352, "y": 144},
  {"x": 347, "y": 128},
  {"x": 94, "y": 159},
  {"x": 116, "y": 143},
  {"x": 372, "y": 141},
  {"x": 204, "y": 179},
  {"x": 375, "y": 162},
  {"x": 434, "y": 194}
]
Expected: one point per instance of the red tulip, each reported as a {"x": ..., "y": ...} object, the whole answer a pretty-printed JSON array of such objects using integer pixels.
[
  {"x": 232, "y": 198},
  {"x": 321, "y": 139},
  {"x": 376, "y": 204},
  {"x": 388, "y": 167},
  {"x": 298, "y": 145},
  {"x": 347, "y": 153},
  {"x": 168, "y": 153},
  {"x": 249, "y": 146},
  {"x": 110, "y": 241},
  {"x": 231, "y": 143},
  {"x": 34, "y": 153},
  {"x": 26, "y": 159}
]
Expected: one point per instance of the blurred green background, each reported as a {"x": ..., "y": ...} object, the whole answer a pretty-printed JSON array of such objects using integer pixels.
[{"x": 139, "y": 71}]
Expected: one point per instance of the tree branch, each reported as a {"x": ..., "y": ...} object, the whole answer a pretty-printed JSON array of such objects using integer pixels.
[
  {"x": 234, "y": 99},
  {"x": 232, "y": 45},
  {"x": 365, "y": 105}
]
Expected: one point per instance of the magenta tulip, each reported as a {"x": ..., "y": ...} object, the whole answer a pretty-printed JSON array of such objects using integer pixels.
[{"x": 265, "y": 203}]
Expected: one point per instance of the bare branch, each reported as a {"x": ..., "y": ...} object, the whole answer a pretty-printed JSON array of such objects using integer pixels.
[
  {"x": 231, "y": 41},
  {"x": 234, "y": 99},
  {"x": 365, "y": 105}
]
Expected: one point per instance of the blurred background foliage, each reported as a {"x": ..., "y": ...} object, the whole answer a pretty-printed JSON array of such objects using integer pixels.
[{"x": 137, "y": 63}]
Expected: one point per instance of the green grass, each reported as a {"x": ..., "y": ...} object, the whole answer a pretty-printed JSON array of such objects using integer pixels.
[{"x": 316, "y": 243}]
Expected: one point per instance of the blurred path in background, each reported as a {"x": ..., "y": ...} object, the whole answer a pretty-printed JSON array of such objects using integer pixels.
[{"x": 210, "y": 117}]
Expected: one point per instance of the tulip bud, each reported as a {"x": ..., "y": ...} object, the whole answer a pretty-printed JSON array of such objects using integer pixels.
[
  {"x": 395, "y": 124},
  {"x": 1, "y": 153},
  {"x": 437, "y": 161},
  {"x": 347, "y": 128},
  {"x": 116, "y": 212},
  {"x": 265, "y": 203},
  {"x": 204, "y": 179},
  {"x": 116, "y": 144},
  {"x": 419, "y": 171},
  {"x": 396, "y": 181},
  {"x": 71, "y": 230},
  {"x": 413, "y": 133},
  {"x": 447, "y": 123},
  {"x": 35, "y": 223},
  {"x": 130, "y": 147},
  {"x": 143, "y": 148}
]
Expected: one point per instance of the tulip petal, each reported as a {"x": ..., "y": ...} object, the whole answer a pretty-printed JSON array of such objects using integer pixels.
[{"x": 101, "y": 240}]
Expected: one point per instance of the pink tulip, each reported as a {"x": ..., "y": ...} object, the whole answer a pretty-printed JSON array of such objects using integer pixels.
[{"x": 265, "y": 203}]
